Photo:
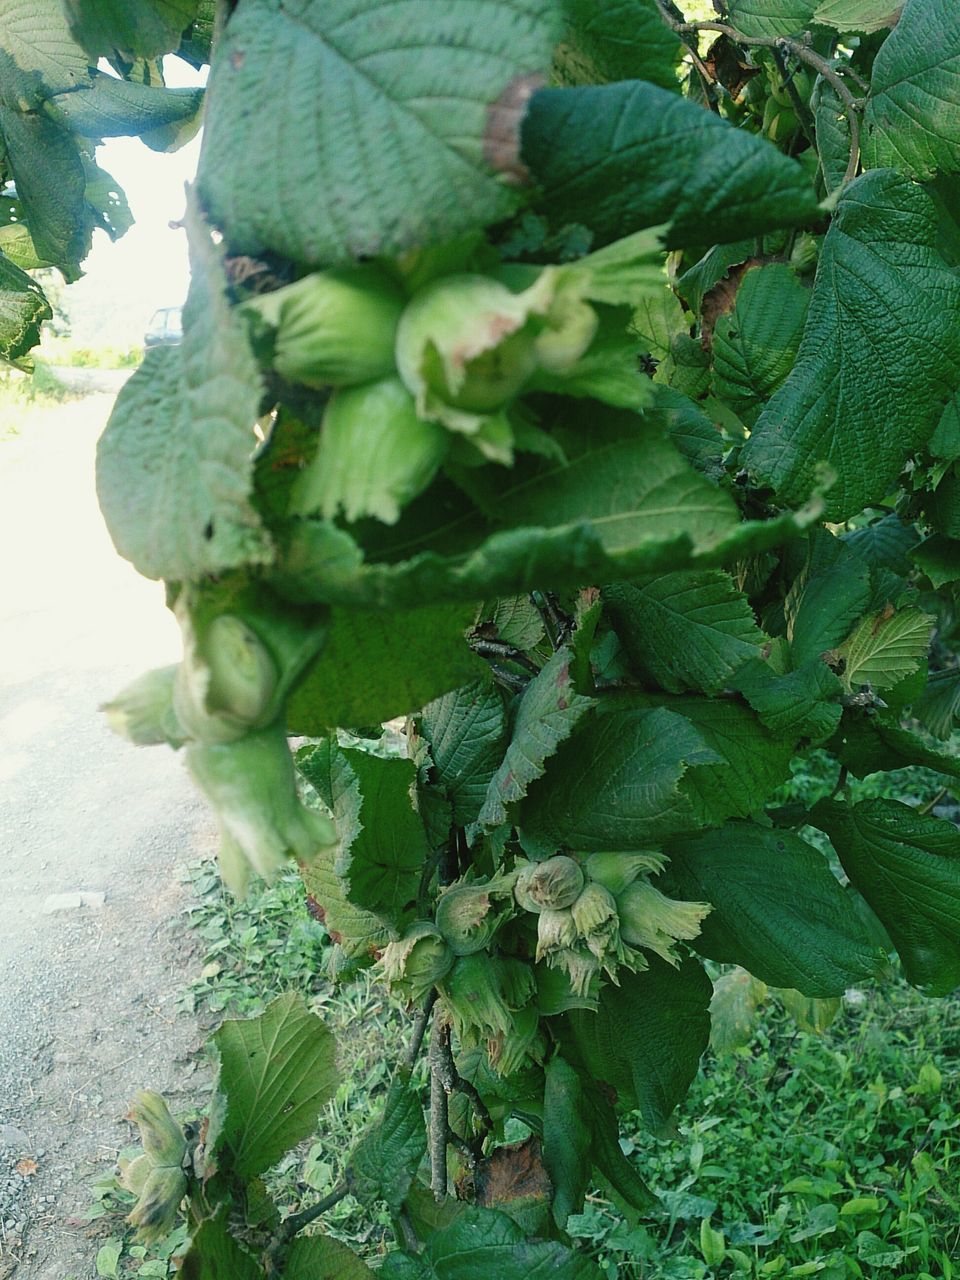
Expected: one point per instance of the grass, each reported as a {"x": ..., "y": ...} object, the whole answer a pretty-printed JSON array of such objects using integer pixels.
[{"x": 22, "y": 396}]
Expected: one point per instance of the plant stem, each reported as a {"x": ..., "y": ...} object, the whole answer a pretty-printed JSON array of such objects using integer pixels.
[
  {"x": 295, "y": 1222},
  {"x": 439, "y": 1114},
  {"x": 419, "y": 1031},
  {"x": 496, "y": 649}
]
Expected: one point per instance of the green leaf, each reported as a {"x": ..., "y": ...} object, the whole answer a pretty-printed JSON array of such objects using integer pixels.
[
  {"x": 607, "y": 1154},
  {"x": 832, "y": 126},
  {"x": 174, "y": 466},
  {"x": 939, "y": 706},
  {"x": 618, "y": 40},
  {"x": 320, "y": 1257},
  {"x": 514, "y": 620},
  {"x": 881, "y": 286},
  {"x": 566, "y": 1138},
  {"x": 867, "y": 745},
  {"x": 858, "y": 15},
  {"x": 23, "y": 308},
  {"x": 912, "y": 118},
  {"x": 907, "y": 866},
  {"x": 882, "y": 650},
  {"x": 547, "y": 714},
  {"x": 483, "y": 1243},
  {"x": 647, "y": 1035},
  {"x": 382, "y": 865},
  {"x": 884, "y": 544},
  {"x": 939, "y": 559},
  {"x": 276, "y": 1071},
  {"x": 468, "y": 737},
  {"x": 51, "y": 185},
  {"x": 756, "y": 342},
  {"x": 111, "y": 108},
  {"x": 380, "y": 126},
  {"x": 737, "y": 997},
  {"x": 770, "y": 17},
  {"x": 800, "y": 704},
  {"x": 777, "y": 909},
  {"x": 615, "y": 784},
  {"x": 685, "y": 630},
  {"x": 214, "y": 1253},
  {"x": 945, "y": 441},
  {"x": 374, "y": 454},
  {"x": 140, "y": 30},
  {"x": 34, "y": 33},
  {"x": 811, "y": 1015},
  {"x": 827, "y": 596},
  {"x": 375, "y": 666},
  {"x": 360, "y": 933},
  {"x": 745, "y": 761},
  {"x": 624, "y": 156},
  {"x": 619, "y": 474},
  {"x": 386, "y": 1159}
]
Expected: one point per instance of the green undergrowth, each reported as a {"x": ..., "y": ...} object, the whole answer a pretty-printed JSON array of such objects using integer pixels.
[{"x": 833, "y": 1155}]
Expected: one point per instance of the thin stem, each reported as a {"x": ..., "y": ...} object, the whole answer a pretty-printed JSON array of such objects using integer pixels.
[
  {"x": 295, "y": 1222},
  {"x": 932, "y": 804},
  {"x": 420, "y": 1024},
  {"x": 454, "y": 1082},
  {"x": 439, "y": 1114}
]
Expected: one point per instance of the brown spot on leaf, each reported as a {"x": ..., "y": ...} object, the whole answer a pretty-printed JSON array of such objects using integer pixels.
[
  {"x": 513, "y": 1172},
  {"x": 501, "y": 136},
  {"x": 726, "y": 63},
  {"x": 720, "y": 299},
  {"x": 26, "y": 1167},
  {"x": 315, "y": 910},
  {"x": 237, "y": 59}
]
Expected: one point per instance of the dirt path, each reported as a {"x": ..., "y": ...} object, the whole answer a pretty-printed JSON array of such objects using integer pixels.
[{"x": 86, "y": 992}]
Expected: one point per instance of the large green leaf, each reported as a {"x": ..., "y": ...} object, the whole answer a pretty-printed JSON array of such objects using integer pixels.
[
  {"x": 884, "y": 648},
  {"x": 174, "y": 466},
  {"x": 567, "y": 1138},
  {"x": 481, "y": 1244},
  {"x": 360, "y": 933},
  {"x": 646, "y": 1036},
  {"x": 615, "y": 784},
  {"x": 139, "y": 29},
  {"x": 276, "y": 1072},
  {"x": 685, "y": 630},
  {"x": 51, "y": 186},
  {"x": 320, "y": 562},
  {"x": 381, "y": 867},
  {"x": 322, "y": 1258},
  {"x": 770, "y": 17},
  {"x": 882, "y": 287},
  {"x": 858, "y": 15},
  {"x": 777, "y": 909},
  {"x": 755, "y": 343},
  {"x": 748, "y": 761},
  {"x": 386, "y": 1159},
  {"x": 546, "y": 716},
  {"x": 375, "y": 666},
  {"x": 617, "y": 40},
  {"x": 608, "y": 1156},
  {"x": 23, "y": 308},
  {"x": 939, "y": 559},
  {"x": 111, "y": 108},
  {"x": 213, "y": 1254},
  {"x": 34, "y": 33},
  {"x": 827, "y": 596},
  {"x": 624, "y": 156},
  {"x": 468, "y": 736},
  {"x": 912, "y": 120},
  {"x": 798, "y": 704},
  {"x": 867, "y": 745},
  {"x": 379, "y": 126},
  {"x": 938, "y": 708},
  {"x": 907, "y": 866}
]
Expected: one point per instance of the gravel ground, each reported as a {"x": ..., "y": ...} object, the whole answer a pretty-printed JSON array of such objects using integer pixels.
[{"x": 91, "y": 832}]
